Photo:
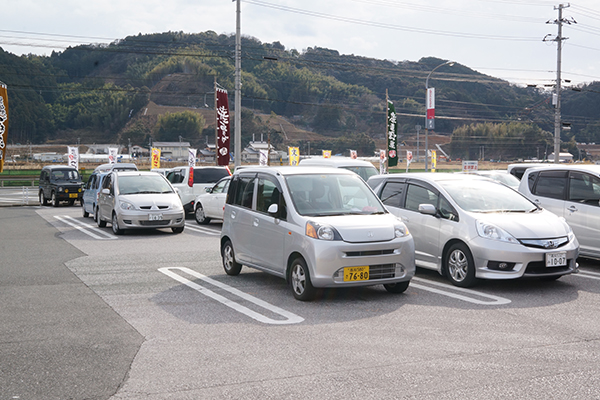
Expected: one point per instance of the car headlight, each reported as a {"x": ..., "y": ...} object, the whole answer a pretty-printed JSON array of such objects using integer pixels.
[
  {"x": 126, "y": 206},
  {"x": 401, "y": 230},
  {"x": 60, "y": 188},
  {"x": 570, "y": 233},
  {"x": 490, "y": 231},
  {"x": 323, "y": 232}
]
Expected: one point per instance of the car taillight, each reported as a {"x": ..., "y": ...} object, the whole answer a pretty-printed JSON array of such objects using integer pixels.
[{"x": 191, "y": 178}]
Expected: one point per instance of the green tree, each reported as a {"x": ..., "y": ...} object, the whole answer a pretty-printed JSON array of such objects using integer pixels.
[{"x": 187, "y": 124}]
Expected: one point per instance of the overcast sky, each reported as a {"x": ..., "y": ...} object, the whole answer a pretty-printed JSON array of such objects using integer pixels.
[{"x": 501, "y": 38}]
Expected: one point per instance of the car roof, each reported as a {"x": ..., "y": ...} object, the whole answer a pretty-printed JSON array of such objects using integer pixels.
[
  {"x": 594, "y": 169},
  {"x": 110, "y": 167},
  {"x": 294, "y": 170},
  {"x": 59, "y": 167},
  {"x": 430, "y": 176},
  {"x": 336, "y": 161},
  {"x": 135, "y": 173}
]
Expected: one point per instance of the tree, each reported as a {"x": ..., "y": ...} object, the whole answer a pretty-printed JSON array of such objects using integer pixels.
[{"x": 186, "y": 124}]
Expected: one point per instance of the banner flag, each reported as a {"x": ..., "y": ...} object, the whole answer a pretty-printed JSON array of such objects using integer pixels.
[
  {"x": 263, "y": 157},
  {"x": 73, "y": 156},
  {"x": 3, "y": 123},
  {"x": 392, "y": 134},
  {"x": 353, "y": 154},
  {"x": 112, "y": 154},
  {"x": 223, "y": 136},
  {"x": 326, "y": 153},
  {"x": 155, "y": 153},
  {"x": 433, "y": 160},
  {"x": 409, "y": 158},
  {"x": 294, "y": 155},
  {"x": 192, "y": 157},
  {"x": 382, "y": 159}
]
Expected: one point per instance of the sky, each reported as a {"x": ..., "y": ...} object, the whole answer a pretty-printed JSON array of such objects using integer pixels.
[{"x": 514, "y": 40}]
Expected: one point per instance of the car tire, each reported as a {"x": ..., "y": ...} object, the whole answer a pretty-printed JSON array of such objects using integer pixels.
[
  {"x": 200, "y": 216},
  {"x": 43, "y": 200},
  {"x": 54, "y": 200},
  {"x": 398, "y": 287},
  {"x": 101, "y": 224},
  {"x": 459, "y": 265},
  {"x": 178, "y": 229},
  {"x": 115, "y": 225},
  {"x": 302, "y": 287},
  {"x": 230, "y": 266},
  {"x": 85, "y": 213}
]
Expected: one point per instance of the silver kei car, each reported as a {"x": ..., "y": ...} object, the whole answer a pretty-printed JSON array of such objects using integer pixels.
[
  {"x": 468, "y": 227},
  {"x": 137, "y": 200},
  {"x": 316, "y": 228}
]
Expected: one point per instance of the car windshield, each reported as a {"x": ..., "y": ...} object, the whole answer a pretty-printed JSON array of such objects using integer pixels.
[
  {"x": 363, "y": 172},
  {"x": 64, "y": 175},
  {"x": 143, "y": 184},
  {"x": 486, "y": 196},
  {"x": 332, "y": 194},
  {"x": 506, "y": 178}
]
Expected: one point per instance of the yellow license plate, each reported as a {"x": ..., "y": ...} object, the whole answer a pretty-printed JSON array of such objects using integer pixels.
[
  {"x": 356, "y": 274},
  {"x": 72, "y": 195}
]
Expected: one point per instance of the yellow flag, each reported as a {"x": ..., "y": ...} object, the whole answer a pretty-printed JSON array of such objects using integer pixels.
[
  {"x": 3, "y": 123},
  {"x": 155, "y": 158},
  {"x": 433, "y": 160},
  {"x": 326, "y": 153},
  {"x": 294, "y": 155}
]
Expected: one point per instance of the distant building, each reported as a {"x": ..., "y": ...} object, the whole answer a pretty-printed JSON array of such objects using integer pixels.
[
  {"x": 173, "y": 150},
  {"x": 562, "y": 157}
]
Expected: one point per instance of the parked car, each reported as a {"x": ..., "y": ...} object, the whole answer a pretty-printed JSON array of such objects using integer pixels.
[
  {"x": 571, "y": 192},
  {"x": 139, "y": 199},
  {"x": 211, "y": 204},
  {"x": 314, "y": 228},
  {"x": 501, "y": 176},
  {"x": 116, "y": 167},
  {"x": 59, "y": 183},
  {"x": 468, "y": 227},
  {"x": 191, "y": 182},
  {"x": 518, "y": 169},
  {"x": 361, "y": 167},
  {"x": 91, "y": 190}
]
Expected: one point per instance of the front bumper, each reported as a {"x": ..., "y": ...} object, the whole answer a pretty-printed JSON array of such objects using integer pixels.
[{"x": 151, "y": 220}]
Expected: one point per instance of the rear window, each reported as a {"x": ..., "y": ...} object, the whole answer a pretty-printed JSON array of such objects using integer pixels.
[{"x": 209, "y": 175}]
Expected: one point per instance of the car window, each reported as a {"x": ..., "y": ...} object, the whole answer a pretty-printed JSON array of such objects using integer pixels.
[
  {"x": 244, "y": 190},
  {"x": 220, "y": 187},
  {"x": 209, "y": 175},
  {"x": 175, "y": 176},
  {"x": 267, "y": 194},
  {"x": 363, "y": 172},
  {"x": 446, "y": 211},
  {"x": 486, "y": 196},
  {"x": 531, "y": 180},
  {"x": 416, "y": 195},
  {"x": 393, "y": 194},
  {"x": 143, "y": 184},
  {"x": 584, "y": 188},
  {"x": 64, "y": 174},
  {"x": 551, "y": 184}
]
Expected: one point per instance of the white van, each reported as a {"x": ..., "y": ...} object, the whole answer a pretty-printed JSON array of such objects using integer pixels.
[{"x": 363, "y": 168}]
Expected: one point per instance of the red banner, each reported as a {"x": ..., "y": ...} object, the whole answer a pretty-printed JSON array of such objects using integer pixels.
[
  {"x": 3, "y": 123},
  {"x": 223, "y": 137}
]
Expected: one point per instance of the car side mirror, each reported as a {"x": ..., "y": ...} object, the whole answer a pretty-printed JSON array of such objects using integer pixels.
[
  {"x": 273, "y": 209},
  {"x": 208, "y": 189},
  {"x": 105, "y": 191},
  {"x": 427, "y": 209}
]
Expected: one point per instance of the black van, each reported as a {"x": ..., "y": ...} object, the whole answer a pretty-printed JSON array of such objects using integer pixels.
[{"x": 59, "y": 183}]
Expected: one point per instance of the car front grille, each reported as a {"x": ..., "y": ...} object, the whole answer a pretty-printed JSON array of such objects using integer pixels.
[
  {"x": 369, "y": 253},
  {"x": 539, "y": 268},
  {"x": 150, "y": 207},
  {"x": 382, "y": 271},
  {"x": 163, "y": 222},
  {"x": 552, "y": 243}
]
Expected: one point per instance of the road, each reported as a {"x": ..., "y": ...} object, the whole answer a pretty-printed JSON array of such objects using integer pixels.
[{"x": 152, "y": 315}]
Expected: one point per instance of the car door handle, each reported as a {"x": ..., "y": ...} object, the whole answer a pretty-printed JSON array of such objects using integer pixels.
[
  {"x": 572, "y": 208},
  {"x": 404, "y": 219},
  {"x": 255, "y": 222},
  {"x": 232, "y": 213},
  {"x": 536, "y": 201}
]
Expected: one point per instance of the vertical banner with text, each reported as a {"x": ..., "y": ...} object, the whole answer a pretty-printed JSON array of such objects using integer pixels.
[
  {"x": 392, "y": 135},
  {"x": 155, "y": 155},
  {"x": 112, "y": 154},
  {"x": 409, "y": 158},
  {"x": 223, "y": 136},
  {"x": 192, "y": 157},
  {"x": 294, "y": 155},
  {"x": 73, "y": 156},
  {"x": 3, "y": 123}
]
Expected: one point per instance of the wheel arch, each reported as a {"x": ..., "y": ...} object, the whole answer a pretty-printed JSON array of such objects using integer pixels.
[
  {"x": 450, "y": 243},
  {"x": 288, "y": 266}
]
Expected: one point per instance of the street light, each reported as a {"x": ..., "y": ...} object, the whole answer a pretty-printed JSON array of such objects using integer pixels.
[{"x": 449, "y": 63}]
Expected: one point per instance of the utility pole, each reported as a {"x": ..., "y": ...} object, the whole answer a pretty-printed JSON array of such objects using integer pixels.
[
  {"x": 238, "y": 87},
  {"x": 556, "y": 97}
]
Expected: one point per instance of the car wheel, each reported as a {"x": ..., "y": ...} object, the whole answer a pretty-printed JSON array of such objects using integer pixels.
[
  {"x": 201, "y": 218},
  {"x": 43, "y": 200},
  {"x": 398, "y": 287},
  {"x": 85, "y": 213},
  {"x": 54, "y": 200},
  {"x": 300, "y": 281},
  {"x": 229, "y": 264},
  {"x": 99, "y": 221},
  {"x": 115, "y": 225},
  {"x": 177, "y": 230},
  {"x": 460, "y": 266}
]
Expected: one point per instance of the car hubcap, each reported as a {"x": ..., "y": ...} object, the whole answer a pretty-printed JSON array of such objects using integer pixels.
[
  {"x": 115, "y": 224},
  {"x": 458, "y": 265},
  {"x": 298, "y": 279},
  {"x": 200, "y": 214},
  {"x": 227, "y": 258}
]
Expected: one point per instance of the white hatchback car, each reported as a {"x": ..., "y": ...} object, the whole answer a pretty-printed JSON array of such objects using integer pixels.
[
  {"x": 572, "y": 192},
  {"x": 468, "y": 227},
  {"x": 316, "y": 228},
  {"x": 210, "y": 205}
]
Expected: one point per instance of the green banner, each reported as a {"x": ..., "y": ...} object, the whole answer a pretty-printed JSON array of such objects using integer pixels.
[{"x": 392, "y": 134}]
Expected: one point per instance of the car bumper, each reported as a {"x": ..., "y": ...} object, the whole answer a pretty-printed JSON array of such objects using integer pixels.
[
  {"x": 496, "y": 260},
  {"x": 389, "y": 262},
  {"x": 142, "y": 220}
]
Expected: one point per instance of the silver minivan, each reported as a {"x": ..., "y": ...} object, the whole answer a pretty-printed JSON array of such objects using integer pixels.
[{"x": 315, "y": 228}]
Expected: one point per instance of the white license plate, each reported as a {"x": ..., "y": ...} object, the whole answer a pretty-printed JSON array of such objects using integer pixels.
[
  {"x": 558, "y": 259},
  {"x": 155, "y": 217}
]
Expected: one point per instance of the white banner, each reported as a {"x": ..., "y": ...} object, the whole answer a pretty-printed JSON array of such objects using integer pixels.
[
  {"x": 192, "y": 157},
  {"x": 264, "y": 157},
  {"x": 113, "y": 152},
  {"x": 73, "y": 156}
]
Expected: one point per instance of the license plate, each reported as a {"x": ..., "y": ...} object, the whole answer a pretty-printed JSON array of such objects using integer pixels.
[
  {"x": 356, "y": 274},
  {"x": 72, "y": 195},
  {"x": 558, "y": 259},
  {"x": 155, "y": 217}
]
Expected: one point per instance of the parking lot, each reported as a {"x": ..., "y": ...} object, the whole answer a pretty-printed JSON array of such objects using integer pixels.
[{"x": 169, "y": 323}]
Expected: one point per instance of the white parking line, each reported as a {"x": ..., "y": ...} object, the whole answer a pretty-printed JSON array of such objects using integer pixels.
[
  {"x": 587, "y": 274},
  {"x": 290, "y": 317},
  {"x": 495, "y": 299},
  {"x": 200, "y": 229},
  {"x": 85, "y": 228}
]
